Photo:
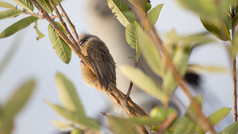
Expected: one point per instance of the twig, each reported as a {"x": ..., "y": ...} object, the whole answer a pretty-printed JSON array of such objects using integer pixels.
[
  {"x": 72, "y": 27},
  {"x": 116, "y": 95},
  {"x": 166, "y": 123},
  {"x": 141, "y": 14},
  {"x": 63, "y": 24},
  {"x": 131, "y": 83},
  {"x": 234, "y": 68},
  {"x": 33, "y": 14}
]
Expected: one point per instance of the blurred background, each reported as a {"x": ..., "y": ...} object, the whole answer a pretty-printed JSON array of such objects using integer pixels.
[{"x": 38, "y": 60}]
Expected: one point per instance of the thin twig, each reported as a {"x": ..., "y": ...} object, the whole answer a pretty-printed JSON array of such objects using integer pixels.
[
  {"x": 63, "y": 24},
  {"x": 166, "y": 123},
  {"x": 116, "y": 95},
  {"x": 234, "y": 88},
  {"x": 234, "y": 67},
  {"x": 141, "y": 14},
  {"x": 131, "y": 83},
  {"x": 72, "y": 27},
  {"x": 33, "y": 14}
]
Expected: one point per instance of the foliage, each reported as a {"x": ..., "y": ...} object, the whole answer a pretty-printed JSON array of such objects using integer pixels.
[{"x": 215, "y": 16}]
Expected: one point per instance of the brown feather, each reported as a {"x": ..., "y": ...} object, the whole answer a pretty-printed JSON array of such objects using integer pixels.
[{"x": 101, "y": 60}]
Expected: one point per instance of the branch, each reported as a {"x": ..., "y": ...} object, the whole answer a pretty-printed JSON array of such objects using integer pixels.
[
  {"x": 145, "y": 23},
  {"x": 131, "y": 83},
  {"x": 72, "y": 27},
  {"x": 63, "y": 24},
  {"x": 33, "y": 14},
  {"x": 116, "y": 95},
  {"x": 234, "y": 68}
]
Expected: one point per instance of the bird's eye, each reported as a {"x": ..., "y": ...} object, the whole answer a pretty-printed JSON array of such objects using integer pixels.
[{"x": 81, "y": 43}]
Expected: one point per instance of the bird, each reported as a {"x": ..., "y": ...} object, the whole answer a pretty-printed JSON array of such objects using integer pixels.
[{"x": 102, "y": 63}]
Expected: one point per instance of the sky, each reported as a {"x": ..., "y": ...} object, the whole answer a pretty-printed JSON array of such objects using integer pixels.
[{"x": 37, "y": 60}]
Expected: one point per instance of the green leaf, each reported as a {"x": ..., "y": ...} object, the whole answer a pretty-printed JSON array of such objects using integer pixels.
[
  {"x": 145, "y": 121},
  {"x": 131, "y": 39},
  {"x": 6, "y": 5},
  {"x": 235, "y": 20},
  {"x": 232, "y": 129},
  {"x": 10, "y": 53},
  {"x": 40, "y": 34},
  {"x": 61, "y": 124},
  {"x": 180, "y": 61},
  {"x": 197, "y": 39},
  {"x": 68, "y": 94},
  {"x": 84, "y": 122},
  {"x": 10, "y": 13},
  {"x": 121, "y": 126},
  {"x": 45, "y": 4},
  {"x": 153, "y": 15},
  {"x": 207, "y": 68},
  {"x": 122, "y": 11},
  {"x": 61, "y": 48},
  {"x": 234, "y": 47},
  {"x": 217, "y": 28},
  {"x": 183, "y": 125},
  {"x": 26, "y": 4},
  {"x": 21, "y": 24},
  {"x": 201, "y": 7},
  {"x": 130, "y": 34},
  {"x": 144, "y": 82},
  {"x": 149, "y": 51},
  {"x": 220, "y": 114},
  {"x": 16, "y": 102},
  {"x": 179, "y": 49}
]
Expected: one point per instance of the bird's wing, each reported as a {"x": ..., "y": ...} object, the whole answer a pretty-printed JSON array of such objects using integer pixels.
[{"x": 102, "y": 63}]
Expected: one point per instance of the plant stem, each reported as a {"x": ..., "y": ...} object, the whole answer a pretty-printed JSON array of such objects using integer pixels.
[
  {"x": 234, "y": 67},
  {"x": 234, "y": 88},
  {"x": 131, "y": 83}
]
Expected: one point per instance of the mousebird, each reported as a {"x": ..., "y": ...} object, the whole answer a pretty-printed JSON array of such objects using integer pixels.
[{"x": 101, "y": 61}]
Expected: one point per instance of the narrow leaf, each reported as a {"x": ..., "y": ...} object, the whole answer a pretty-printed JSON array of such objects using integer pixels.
[
  {"x": 207, "y": 68},
  {"x": 6, "y": 5},
  {"x": 144, "y": 82},
  {"x": 74, "y": 117},
  {"x": 61, "y": 48},
  {"x": 68, "y": 95},
  {"x": 16, "y": 102},
  {"x": 121, "y": 11},
  {"x": 10, "y": 13},
  {"x": 121, "y": 126},
  {"x": 153, "y": 15},
  {"x": 61, "y": 124},
  {"x": 217, "y": 28},
  {"x": 232, "y": 129},
  {"x": 40, "y": 34},
  {"x": 220, "y": 114},
  {"x": 21, "y": 24},
  {"x": 45, "y": 4},
  {"x": 149, "y": 51},
  {"x": 25, "y": 4},
  {"x": 145, "y": 121},
  {"x": 201, "y": 7}
]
